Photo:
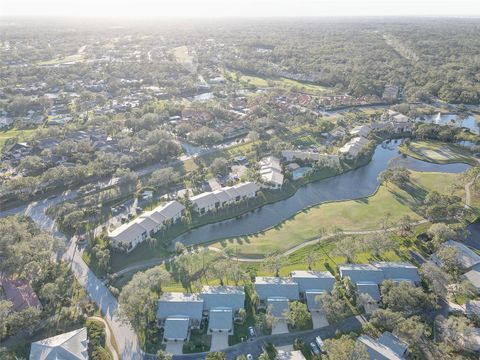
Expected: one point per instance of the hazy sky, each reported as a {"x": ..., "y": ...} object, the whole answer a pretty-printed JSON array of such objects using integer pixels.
[{"x": 238, "y": 8}]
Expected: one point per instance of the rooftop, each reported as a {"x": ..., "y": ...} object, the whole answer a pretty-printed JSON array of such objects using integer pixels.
[{"x": 69, "y": 346}]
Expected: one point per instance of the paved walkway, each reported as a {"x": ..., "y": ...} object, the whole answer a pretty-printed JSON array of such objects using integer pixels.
[{"x": 108, "y": 337}]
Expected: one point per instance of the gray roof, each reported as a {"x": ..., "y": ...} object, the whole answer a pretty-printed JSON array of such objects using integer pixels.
[
  {"x": 127, "y": 232},
  {"x": 220, "y": 319},
  {"x": 277, "y": 306},
  {"x": 69, "y": 346},
  {"x": 223, "y": 196},
  {"x": 467, "y": 257},
  {"x": 246, "y": 188},
  {"x": 204, "y": 200},
  {"x": 378, "y": 351},
  {"x": 307, "y": 280},
  {"x": 231, "y": 192},
  {"x": 180, "y": 304},
  {"x": 394, "y": 343},
  {"x": 171, "y": 209},
  {"x": 176, "y": 328},
  {"x": 267, "y": 287},
  {"x": 369, "y": 288},
  {"x": 474, "y": 276},
  {"x": 362, "y": 272},
  {"x": 472, "y": 307},
  {"x": 311, "y": 296},
  {"x": 147, "y": 223},
  {"x": 399, "y": 271},
  {"x": 223, "y": 296}
]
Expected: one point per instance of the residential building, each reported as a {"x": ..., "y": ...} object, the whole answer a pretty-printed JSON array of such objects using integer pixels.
[
  {"x": 221, "y": 304},
  {"x": 146, "y": 225},
  {"x": 361, "y": 273},
  {"x": 21, "y": 294},
  {"x": 399, "y": 271},
  {"x": 69, "y": 346},
  {"x": 352, "y": 148},
  {"x": 207, "y": 201},
  {"x": 387, "y": 347},
  {"x": 313, "y": 280},
  {"x": 290, "y": 355},
  {"x": 177, "y": 313},
  {"x": 271, "y": 172},
  {"x": 466, "y": 256},
  {"x": 361, "y": 130},
  {"x": 276, "y": 287}
]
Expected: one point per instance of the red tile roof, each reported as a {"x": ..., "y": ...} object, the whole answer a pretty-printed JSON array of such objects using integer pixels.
[{"x": 21, "y": 294}]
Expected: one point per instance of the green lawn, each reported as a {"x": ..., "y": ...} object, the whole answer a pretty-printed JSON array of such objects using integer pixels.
[
  {"x": 438, "y": 152},
  {"x": 63, "y": 60},
  {"x": 281, "y": 82},
  {"x": 362, "y": 214},
  {"x": 8, "y": 134}
]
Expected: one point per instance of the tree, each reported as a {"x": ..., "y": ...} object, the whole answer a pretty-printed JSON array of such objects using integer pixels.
[
  {"x": 164, "y": 177},
  {"x": 405, "y": 297},
  {"x": 346, "y": 247},
  {"x": 266, "y": 321},
  {"x": 436, "y": 278},
  {"x": 333, "y": 305},
  {"x": 311, "y": 258},
  {"x": 449, "y": 257},
  {"x": 440, "y": 233},
  {"x": 216, "y": 356},
  {"x": 386, "y": 319},
  {"x": 163, "y": 355},
  {"x": 219, "y": 166},
  {"x": 345, "y": 348},
  {"x": 274, "y": 263},
  {"x": 298, "y": 315},
  {"x": 412, "y": 330}
]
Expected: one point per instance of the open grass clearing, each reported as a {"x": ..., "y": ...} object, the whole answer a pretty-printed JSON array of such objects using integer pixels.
[
  {"x": 12, "y": 133},
  {"x": 438, "y": 152},
  {"x": 352, "y": 215},
  {"x": 63, "y": 60}
]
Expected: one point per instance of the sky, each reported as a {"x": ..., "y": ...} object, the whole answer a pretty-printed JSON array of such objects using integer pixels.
[{"x": 238, "y": 8}]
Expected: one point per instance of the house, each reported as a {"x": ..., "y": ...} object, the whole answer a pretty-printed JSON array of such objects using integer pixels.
[
  {"x": 387, "y": 347},
  {"x": 146, "y": 225},
  {"x": 313, "y": 280},
  {"x": 220, "y": 320},
  {"x": 276, "y": 287},
  {"x": 69, "y": 346},
  {"x": 290, "y": 355},
  {"x": 271, "y": 172},
  {"x": 361, "y": 130},
  {"x": 21, "y": 294},
  {"x": 291, "y": 155},
  {"x": 352, "y": 148},
  {"x": 362, "y": 273},
  {"x": 232, "y": 297},
  {"x": 467, "y": 258},
  {"x": 207, "y": 201},
  {"x": 177, "y": 313},
  {"x": 472, "y": 309},
  {"x": 399, "y": 271}
]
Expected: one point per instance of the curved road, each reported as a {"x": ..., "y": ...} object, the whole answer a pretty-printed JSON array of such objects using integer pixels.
[{"x": 108, "y": 336}]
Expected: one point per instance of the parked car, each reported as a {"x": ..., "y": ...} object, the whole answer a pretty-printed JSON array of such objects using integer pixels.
[
  {"x": 314, "y": 349},
  {"x": 320, "y": 344},
  {"x": 251, "y": 332}
]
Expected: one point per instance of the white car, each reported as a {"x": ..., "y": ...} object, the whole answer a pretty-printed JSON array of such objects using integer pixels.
[{"x": 249, "y": 357}]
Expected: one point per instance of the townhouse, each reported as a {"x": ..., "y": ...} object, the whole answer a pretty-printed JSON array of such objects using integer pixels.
[
  {"x": 352, "y": 148},
  {"x": 131, "y": 234},
  {"x": 207, "y": 201},
  {"x": 271, "y": 172},
  {"x": 387, "y": 347}
]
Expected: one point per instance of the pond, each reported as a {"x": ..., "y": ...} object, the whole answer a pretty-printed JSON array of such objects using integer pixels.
[
  {"x": 469, "y": 122},
  {"x": 354, "y": 184}
]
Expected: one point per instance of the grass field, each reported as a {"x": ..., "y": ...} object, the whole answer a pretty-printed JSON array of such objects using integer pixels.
[
  {"x": 21, "y": 134},
  {"x": 438, "y": 152},
  {"x": 363, "y": 214},
  {"x": 281, "y": 82},
  {"x": 63, "y": 60}
]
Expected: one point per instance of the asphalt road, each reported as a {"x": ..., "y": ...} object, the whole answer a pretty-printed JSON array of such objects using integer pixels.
[{"x": 254, "y": 347}]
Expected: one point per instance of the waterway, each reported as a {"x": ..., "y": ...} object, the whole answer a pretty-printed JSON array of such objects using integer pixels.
[{"x": 354, "y": 184}]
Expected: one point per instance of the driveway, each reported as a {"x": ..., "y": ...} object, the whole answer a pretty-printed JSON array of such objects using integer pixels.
[
  {"x": 174, "y": 347},
  {"x": 319, "y": 320},
  {"x": 280, "y": 327},
  {"x": 219, "y": 341}
]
